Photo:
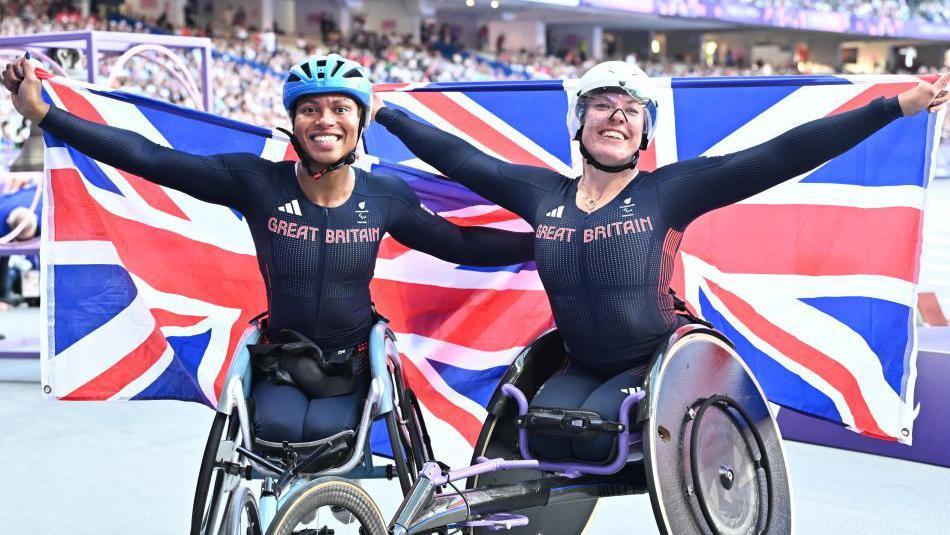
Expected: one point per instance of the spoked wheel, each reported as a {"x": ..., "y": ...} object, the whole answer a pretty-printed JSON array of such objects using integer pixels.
[
  {"x": 329, "y": 506},
  {"x": 214, "y": 484},
  {"x": 242, "y": 516}
]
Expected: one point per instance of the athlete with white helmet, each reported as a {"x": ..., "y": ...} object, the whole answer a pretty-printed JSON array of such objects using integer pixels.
[
  {"x": 316, "y": 226},
  {"x": 605, "y": 241}
]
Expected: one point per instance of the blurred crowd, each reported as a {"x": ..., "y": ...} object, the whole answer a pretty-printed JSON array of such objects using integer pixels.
[
  {"x": 935, "y": 11},
  {"x": 248, "y": 66}
]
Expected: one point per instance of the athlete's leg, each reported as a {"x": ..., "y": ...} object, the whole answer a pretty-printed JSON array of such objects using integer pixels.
[
  {"x": 279, "y": 411},
  {"x": 328, "y": 416},
  {"x": 605, "y": 400},
  {"x": 566, "y": 389}
]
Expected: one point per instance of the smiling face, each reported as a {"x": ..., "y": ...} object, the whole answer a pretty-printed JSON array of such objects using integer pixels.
[
  {"x": 613, "y": 127},
  {"x": 327, "y": 126}
]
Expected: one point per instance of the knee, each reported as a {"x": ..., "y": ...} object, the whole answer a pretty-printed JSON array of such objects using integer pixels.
[{"x": 279, "y": 412}]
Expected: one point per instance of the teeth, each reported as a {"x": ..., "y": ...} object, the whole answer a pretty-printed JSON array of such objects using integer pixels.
[
  {"x": 324, "y": 139},
  {"x": 613, "y": 135}
]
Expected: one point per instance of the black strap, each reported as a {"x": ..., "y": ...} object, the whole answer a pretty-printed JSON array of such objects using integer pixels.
[
  {"x": 348, "y": 159},
  {"x": 376, "y": 315},
  {"x": 680, "y": 307}
]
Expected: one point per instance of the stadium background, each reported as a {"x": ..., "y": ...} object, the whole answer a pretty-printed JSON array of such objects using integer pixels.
[{"x": 255, "y": 41}]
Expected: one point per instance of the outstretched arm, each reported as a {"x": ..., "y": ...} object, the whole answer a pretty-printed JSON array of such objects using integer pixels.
[
  {"x": 415, "y": 225},
  {"x": 518, "y": 188},
  {"x": 205, "y": 177},
  {"x": 701, "y": 185}
]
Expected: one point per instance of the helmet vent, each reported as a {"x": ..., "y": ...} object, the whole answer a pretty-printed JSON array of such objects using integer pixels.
[
  {"x": 293, "y": 78},
  {"x": 355, "y": 73},
  {"x": 306, "y": 69},
  {"x": 336, "y": 69}
]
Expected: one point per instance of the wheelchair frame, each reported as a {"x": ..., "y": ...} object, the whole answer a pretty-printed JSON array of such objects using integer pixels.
[
  {"x": 427, "y": 510},
  {"x": 233, "y": 458}
]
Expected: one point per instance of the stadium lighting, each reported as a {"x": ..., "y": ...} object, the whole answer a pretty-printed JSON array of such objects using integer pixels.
[
  {"x": 655, "y": 46},
  {"x": 470, "y": 3},
  {"x": 494, "y": 4}
]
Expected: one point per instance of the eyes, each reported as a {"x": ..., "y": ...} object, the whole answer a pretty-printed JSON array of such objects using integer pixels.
[
  {"x": 338, "y": 109},
  {"x": 603, "y": 106}
]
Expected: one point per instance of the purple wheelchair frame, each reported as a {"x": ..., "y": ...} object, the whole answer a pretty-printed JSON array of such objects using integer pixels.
[{"x": 433, "y": 476}]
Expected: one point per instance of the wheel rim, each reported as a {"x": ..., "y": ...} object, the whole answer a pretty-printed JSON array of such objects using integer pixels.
[{"x": 208, "y": 505}]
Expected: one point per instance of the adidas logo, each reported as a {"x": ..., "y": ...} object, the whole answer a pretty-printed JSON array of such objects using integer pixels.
[
  {"x": 630, "y": 390},
  {"x": 557, "y": 212},
  {"x": 291, "y": 208}
]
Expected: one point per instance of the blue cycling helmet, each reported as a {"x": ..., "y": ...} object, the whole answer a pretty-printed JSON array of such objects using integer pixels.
[{"x": 322, "y": 75}]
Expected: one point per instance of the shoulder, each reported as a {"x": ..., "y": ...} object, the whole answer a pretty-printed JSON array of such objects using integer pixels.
[{"x": 384, "y": 185}]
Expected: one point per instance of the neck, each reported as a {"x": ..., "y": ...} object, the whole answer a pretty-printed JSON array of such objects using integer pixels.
[
  {"x": 331, "y": 189},
  {"x": 597, "y": 182}
]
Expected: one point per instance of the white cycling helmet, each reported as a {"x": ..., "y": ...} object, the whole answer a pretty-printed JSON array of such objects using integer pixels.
[{"x": 618, "y": 76}]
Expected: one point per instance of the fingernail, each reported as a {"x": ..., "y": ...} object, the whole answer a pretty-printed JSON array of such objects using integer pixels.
[{"x": 27, "y": 54}]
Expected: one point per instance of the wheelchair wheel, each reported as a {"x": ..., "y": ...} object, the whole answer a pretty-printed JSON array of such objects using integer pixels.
[
  {"x": 401, "y": 456},
  {"x": 329, "y": 505},
  {"x": 211, "y": 494},
  {"x": 242, "y": 516},
  {"x": 409, "y": 427}
]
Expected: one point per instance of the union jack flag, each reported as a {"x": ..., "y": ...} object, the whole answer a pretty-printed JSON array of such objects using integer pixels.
[{"x": 148, "y": 290}]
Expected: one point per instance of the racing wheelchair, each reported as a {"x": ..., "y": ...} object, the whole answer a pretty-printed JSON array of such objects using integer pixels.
[
  {"x": 698, "y": 437},
  {"x": 306, "y": 487}
]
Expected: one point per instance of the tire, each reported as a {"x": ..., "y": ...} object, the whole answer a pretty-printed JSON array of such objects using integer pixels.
[
  {"x": 318, "y": 497},
  {"x": 242, "y": 505},
  {"x": 402, "y": 458},
  {"x": 209, "y": 497}
]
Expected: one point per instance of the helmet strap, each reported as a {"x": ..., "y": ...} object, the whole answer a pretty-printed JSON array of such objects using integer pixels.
[
  {"x": 348, "y": 159},
  {"x": 589, "y": 158}
]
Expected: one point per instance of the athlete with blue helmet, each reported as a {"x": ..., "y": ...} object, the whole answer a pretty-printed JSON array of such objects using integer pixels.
[{"x": 316, "y": 225}]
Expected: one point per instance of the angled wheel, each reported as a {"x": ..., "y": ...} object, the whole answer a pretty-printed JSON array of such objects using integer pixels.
[
  {"x": 215, "y": 485},
  {"x": 329, "y": 505},
  {"x": 242, "y": 516}
]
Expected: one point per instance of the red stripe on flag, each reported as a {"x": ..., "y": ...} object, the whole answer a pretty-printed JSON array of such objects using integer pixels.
[
  {"x": 487, "y": 320},
  {"x": 76, "y": 104},
  {"x": 873, "y": 92},
  {"x": 478, "y": 129},
  {"x": 165, "y": 318},
  {"x": 441, "y": 407},
  {"x": 76, "y": 216},
  {"x": 389, "y": 248},
  {"x": 495, "y": 216},
  {"x": 832, "y": 371},
  {"x": 808, "y": 240},
  {"x": 290, "y": 154},
  {"x": 123, "y": 372},
  {"x": 154, "y": 195}
]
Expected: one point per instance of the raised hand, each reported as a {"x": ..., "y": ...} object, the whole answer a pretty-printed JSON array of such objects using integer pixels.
[
  {"x": 931, "y": 97},
  {"x": 26, "y": 90}
]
